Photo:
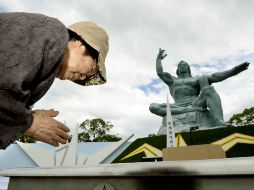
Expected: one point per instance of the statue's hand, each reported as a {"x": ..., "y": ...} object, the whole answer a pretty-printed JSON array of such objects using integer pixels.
[
  {"x": 161, "y": 55},
  {"x": 242, "y": 67}
]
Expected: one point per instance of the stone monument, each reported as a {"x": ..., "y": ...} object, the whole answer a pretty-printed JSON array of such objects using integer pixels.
[{"x": 197, "y": 104}]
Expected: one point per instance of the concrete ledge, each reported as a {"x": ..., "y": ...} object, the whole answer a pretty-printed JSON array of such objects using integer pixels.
[{"x": 227, "y": 166}]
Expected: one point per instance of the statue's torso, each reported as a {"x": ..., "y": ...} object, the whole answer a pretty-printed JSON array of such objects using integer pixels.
[{"x": 185, "y": 90}]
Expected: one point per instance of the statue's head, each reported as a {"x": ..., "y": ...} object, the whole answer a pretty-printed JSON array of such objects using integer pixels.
[{"x": 182, "y": 68}]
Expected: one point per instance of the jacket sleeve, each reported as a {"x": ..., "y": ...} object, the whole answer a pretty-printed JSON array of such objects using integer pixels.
[{"x": 15, "y": 118}]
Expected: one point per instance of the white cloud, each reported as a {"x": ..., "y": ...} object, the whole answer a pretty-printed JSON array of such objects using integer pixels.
[{"x": 199, "y": 32}]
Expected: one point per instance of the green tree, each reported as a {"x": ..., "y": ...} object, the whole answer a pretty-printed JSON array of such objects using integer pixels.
[
  {"x": 96, "y": 130},
  {"x": 152, "y": 135},
  {"x": 244, "y": 118},
  {"x": 26, "y": 139}
]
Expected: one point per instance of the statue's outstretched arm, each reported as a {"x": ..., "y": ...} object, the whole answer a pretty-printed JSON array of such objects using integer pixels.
[
  {"x": 166, "y": 77},
  {"x": 220, "y": 76}
]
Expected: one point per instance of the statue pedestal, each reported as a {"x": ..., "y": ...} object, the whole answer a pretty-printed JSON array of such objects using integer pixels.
[
  {"x": 183, "y": 122},
  {"x": 194, "y": 152}
]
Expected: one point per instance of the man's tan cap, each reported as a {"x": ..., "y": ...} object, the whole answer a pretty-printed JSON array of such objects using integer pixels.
[{"x": 97, "y": 38}]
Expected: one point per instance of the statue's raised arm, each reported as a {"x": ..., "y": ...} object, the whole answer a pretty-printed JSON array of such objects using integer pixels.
[
  {"x": 220, "y": 76},
  {"x": 165, "y": 76}
]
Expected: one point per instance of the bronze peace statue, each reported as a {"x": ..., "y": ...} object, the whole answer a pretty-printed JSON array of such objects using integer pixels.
[{"x": 196, "y": 101}]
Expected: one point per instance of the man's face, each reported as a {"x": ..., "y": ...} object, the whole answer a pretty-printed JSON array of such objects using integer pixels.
[
  {"x": 182, "y": 67},
  {"x": 76, "y": 64}
]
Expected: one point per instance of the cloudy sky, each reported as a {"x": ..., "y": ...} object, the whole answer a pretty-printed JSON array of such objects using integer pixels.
[{"x": 211, "y": 35}]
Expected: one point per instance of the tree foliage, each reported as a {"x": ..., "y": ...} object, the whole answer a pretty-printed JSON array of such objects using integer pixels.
[
  {"x": 152, "y": 135},
  {"x": 96, "y": 130},
  {"x": 26, "y": 139},
  {"x": 244, "y": 118}
]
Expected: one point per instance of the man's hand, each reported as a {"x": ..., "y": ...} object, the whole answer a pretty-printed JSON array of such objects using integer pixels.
[
  {"x": 46, "y": 129},
  {"x": 241, "y": 67},
  {"x": 161, "y": 55}
]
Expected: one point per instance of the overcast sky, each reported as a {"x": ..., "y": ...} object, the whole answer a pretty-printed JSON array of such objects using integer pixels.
[{"x": 211, "y": 35}]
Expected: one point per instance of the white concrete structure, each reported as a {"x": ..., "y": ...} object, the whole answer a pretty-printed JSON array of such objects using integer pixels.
[
  {"x": 100, "y": 156},
  {"x": 67, "y": 155},
  {"x": 72, "y": 154}
]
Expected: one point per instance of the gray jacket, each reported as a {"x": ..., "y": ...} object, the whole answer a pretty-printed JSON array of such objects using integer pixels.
[{"x": 31, "y": 47}]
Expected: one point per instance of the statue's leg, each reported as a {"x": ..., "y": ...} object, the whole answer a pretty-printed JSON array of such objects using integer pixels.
[
  {"x": 161, "y": 109},
  {"x": 210, "y": 98},
  {"x": 158, "y": 109}
]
